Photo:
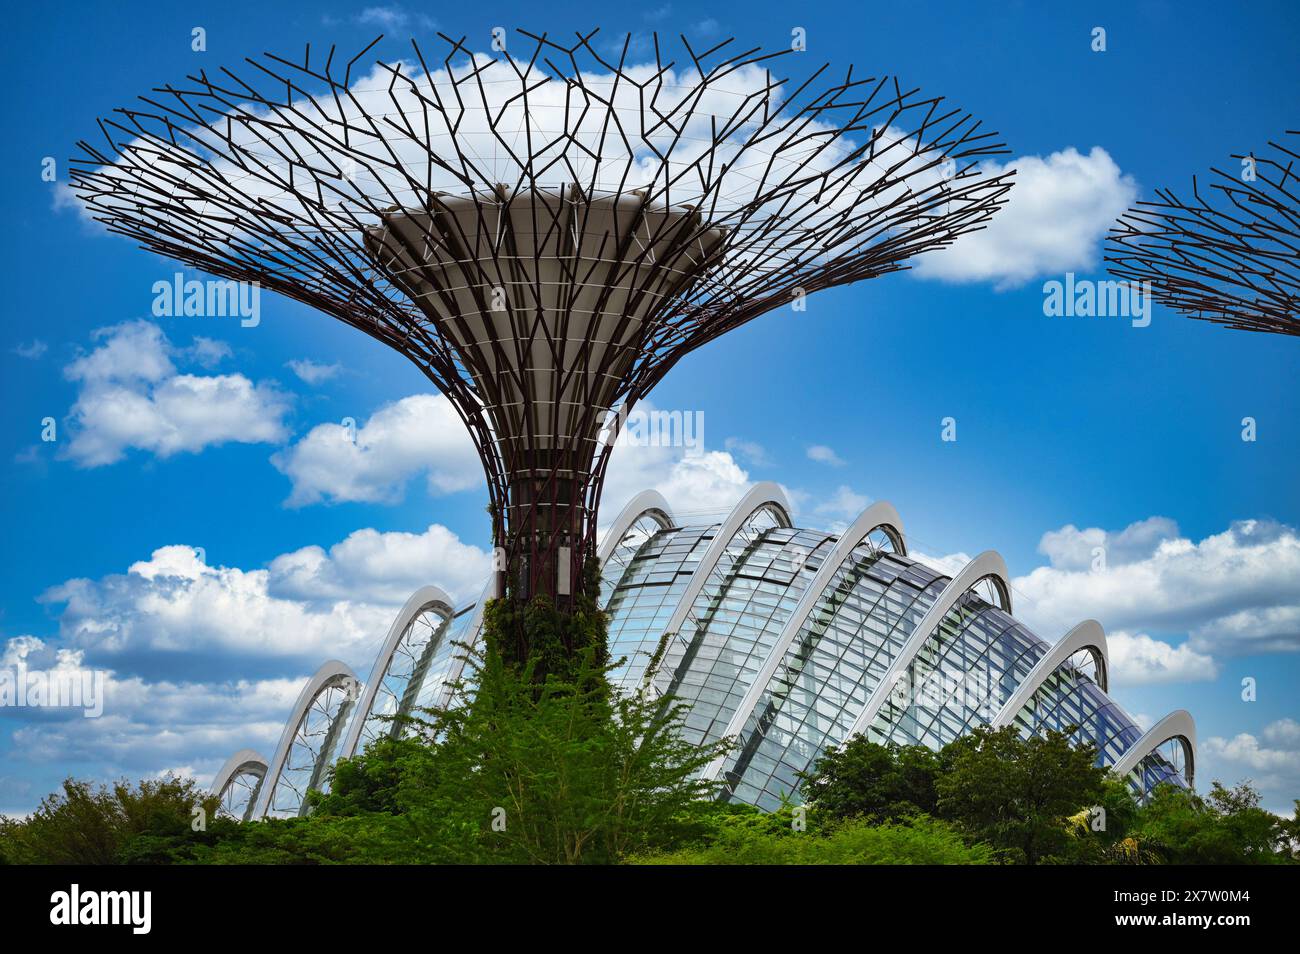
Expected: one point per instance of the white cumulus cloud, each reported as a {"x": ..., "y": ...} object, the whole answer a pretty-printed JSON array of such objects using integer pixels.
[
  {"x": 384, "y": 568},
  {"x": 147, "y": 726},
  {"x": 707, "y": 482},
  {"x": 306, "y": 605},
  {"x": 1137, "y": 659},
  {"x": 1284, "y": 734},
  {"x": 373, "y": 463},
  {"x": 1272, "y": 765},
  {"x": 1232, "y": 593},
  {"x": 1070, "y": 548},
  {"x": 1058, "y": 211},
  {"x": 175, "y": 603},
  {"x": 131, "y": 396}
]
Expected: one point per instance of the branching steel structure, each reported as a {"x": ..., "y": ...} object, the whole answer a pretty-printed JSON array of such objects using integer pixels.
[
  {"x": 546, "y": 233},
  {"x": 1231, "y": 255}
]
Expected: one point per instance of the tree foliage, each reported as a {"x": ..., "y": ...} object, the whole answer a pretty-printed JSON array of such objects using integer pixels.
[
  {"x": 1017, "y": 793},
  {"x": 1041, "y": 800},
  {"x": 881, "y": 782},
  {"x": 1013, "y": 794},
  {"x": 151, "y": 822},
  {"x": 553, "y": 772},
  {"x": 564, "y": 771},
  {"x": 1225, "y": 827},
  {"x": 743, "y": 838}
]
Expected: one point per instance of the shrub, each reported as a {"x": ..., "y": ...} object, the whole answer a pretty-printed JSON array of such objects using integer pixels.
[
  {"x": 564, "y": 772},
  {"x": 747, "y": 841},
  {"x": 124, "y": 824}
]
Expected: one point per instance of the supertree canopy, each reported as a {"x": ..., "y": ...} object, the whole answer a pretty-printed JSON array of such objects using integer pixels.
[
  {"x": 546, "y": 231},
  {"x": 1230, "y": 254}
]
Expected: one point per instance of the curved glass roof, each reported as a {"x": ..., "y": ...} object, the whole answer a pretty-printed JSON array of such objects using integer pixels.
[
  {"x": 960, "y": 677},
  {"x": 796, "y": 671}
]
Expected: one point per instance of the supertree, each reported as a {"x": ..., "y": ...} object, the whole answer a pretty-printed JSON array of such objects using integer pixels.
[
  {"x": 1231, "y": 254},
  {"x": 544, "y": 232}
]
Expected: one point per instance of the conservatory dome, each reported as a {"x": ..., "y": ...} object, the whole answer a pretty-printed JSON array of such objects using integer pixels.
[{"x": 787, "y": 640}]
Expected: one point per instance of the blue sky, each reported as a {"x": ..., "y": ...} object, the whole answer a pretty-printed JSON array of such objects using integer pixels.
[{"x": 1069, "y": 430}]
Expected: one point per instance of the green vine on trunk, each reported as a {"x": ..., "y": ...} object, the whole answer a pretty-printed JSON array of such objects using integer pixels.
[{"x": 539, "y": 636}]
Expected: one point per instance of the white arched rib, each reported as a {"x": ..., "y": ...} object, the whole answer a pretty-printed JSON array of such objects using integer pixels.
[
  {"x": 331, "y": 673},
  {"x": 245, "y": 760},
  {"x": 878, "y": 516},
  {"x": 426, "y": 597},
  {"x": 648, "y": 503},
  {"x": 241, "y": 761},
  {"x": 1177, "y": 725},
  {"x": 765, "y": 494},
  {"x": 1087, "y": 635},
  {"x": 988, "y": 565}
]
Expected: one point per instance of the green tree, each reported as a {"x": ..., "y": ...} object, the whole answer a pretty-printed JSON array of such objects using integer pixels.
[
  {"x": 1228, "y": 826},
  {"x": 552, "y": 772},
  {"x": 1018, "y": 794},
  {"x": 122, "y": 824},
  {"x": 884, "y": 782},
  {"x": 1290, "y": 832},
  {"x": 372, "y": 782}
]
